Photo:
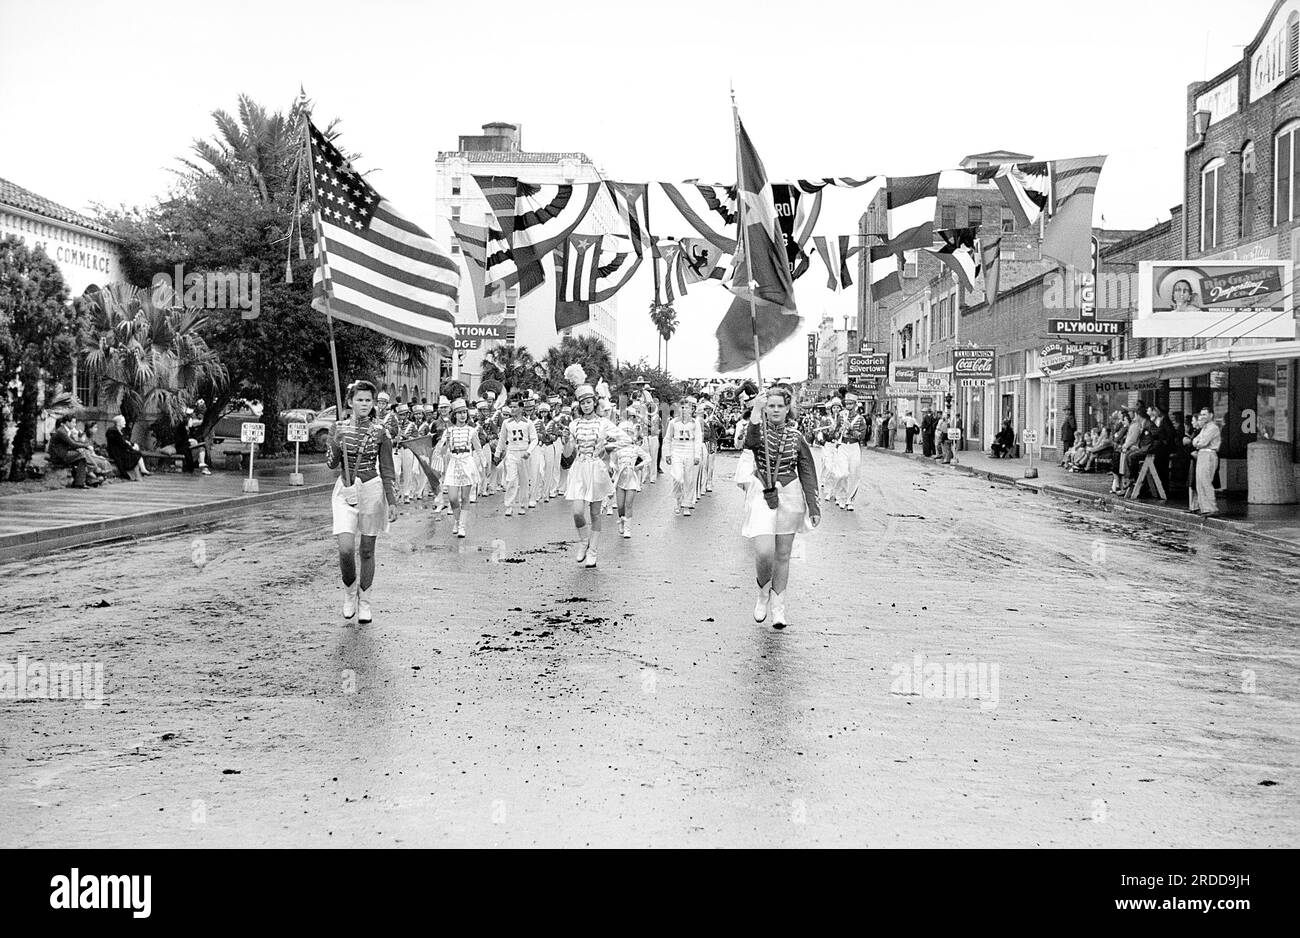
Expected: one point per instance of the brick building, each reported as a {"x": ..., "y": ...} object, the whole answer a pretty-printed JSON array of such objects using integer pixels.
[{"x": 1242, "y": 198}]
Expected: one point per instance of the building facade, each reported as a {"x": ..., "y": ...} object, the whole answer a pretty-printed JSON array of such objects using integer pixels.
[
  {"x": 528, "y": 321},
  {"x": 1241, "y": 180}
]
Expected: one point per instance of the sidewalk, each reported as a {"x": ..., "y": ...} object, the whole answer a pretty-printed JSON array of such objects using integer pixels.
[
  {"x": 1279, "y": 524},
  {"x": 49, "y": 520}
]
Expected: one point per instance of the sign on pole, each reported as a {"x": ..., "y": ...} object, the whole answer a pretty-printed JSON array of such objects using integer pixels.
[
  {"x": 252, "y": 434},
  {"x": 297, "y": 434}
]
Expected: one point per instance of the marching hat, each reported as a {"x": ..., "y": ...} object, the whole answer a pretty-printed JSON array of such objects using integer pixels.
[
  {"x": 543, "y": 406},
  {"x": 443, "y": 402},
  {"x": 403, "y": 409},
  {"x": 584, "y": 390},
  {"x": 459, "y": 404},
  {"x": 850, "y": 397},
  {"x": 383, "y": 396},
  {"x": 482, "y": 405},
  {"x": 836, "y": 402}
]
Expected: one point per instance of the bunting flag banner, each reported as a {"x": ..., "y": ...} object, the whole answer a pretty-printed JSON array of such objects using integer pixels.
[
  {"x": 1025, "y": 187},
  {"x": 632, "y": 202},
  {"x": 709, "y": 210},
  {"x": 955, "y": 247},
  {"x": 500, "y": 194},
  {"x": 761, "y": 275},
  {"x": 817, "y": 185},
  {"x": 885, "y": 276},
  {"x": 545, "y": 215},
  {"x": 376, "y": 268},
  {"x": 669, "y": 276},
  {"x": 990, "y": 267},
  {"x": 501, "y": 272},
  {"x": 910, "y": 205},
  {"x": 701, "y": 260},
  {"x": 1069, "y": 228},
  {"x": 836, "y": 252},
  {"x": 473, "y": 240},
  {"x": 796, "y": 216},
  {"x": 576, "y": 263}
]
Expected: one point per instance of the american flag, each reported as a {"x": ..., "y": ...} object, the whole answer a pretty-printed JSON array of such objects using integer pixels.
[{"x": 378, "y": 269}]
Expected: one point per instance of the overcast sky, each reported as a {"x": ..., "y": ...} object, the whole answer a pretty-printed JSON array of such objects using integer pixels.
[{"x": 97, "y": 100}]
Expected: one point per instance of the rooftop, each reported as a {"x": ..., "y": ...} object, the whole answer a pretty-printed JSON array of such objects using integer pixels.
[
  {"x": 511, "y": 156},
  {"x": 28, "y": 201}
]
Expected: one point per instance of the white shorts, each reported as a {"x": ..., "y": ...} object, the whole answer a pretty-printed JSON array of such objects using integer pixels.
[{"x": 368, "y": 517}]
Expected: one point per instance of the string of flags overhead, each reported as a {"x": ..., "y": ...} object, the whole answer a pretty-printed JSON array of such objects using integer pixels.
[{"x": 529, "y": 220}]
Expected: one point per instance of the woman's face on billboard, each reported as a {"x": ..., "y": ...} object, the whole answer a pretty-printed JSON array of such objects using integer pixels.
[{"x": 1182, "y": 293}]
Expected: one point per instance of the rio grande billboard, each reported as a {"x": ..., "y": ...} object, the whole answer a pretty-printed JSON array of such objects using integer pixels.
[{"x": 1214, "y": 300}]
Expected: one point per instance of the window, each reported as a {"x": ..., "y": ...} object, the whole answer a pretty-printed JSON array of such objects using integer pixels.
[
  {"x": 909, "y": 264},
  {"x": 455, "y": 246},
  {"x": 1211, "y": 204},
  {"x": 1292, "y": 44},
  {"x": 975, "y": 216},
  {"x": 1249, "y": 201},
  {"x": 1008, "y": 221},
  {"x": 455, "y": 213},
  {"x": 948, "y": 216},
  {"x": 455, "y": 186},
  {"x": 1285, "y": 168}
]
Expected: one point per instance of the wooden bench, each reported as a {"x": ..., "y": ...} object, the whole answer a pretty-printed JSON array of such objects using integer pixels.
[{"x": 176, "y": 460}]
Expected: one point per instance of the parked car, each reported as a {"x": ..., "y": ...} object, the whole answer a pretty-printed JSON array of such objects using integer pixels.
[
  {"x": 318, "y": 428},
  {"x": 297, "y": 415},
  {"x": 225, "y": 435}
]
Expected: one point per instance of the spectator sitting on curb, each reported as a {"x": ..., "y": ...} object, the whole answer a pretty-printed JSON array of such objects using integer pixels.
[{"x": 1004, "y": 441}]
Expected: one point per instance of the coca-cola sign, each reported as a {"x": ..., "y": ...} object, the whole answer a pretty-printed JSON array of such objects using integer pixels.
[{"x": 975, "y": 363}]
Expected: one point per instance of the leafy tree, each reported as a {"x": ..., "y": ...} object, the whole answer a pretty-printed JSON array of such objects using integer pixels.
[
  {"x": 147, "y": 357},
  {"x": 514, "y": 366},
  {"x": 664, "y": 318},
  {"x": 660, "y": 383},
  {"x": 589, "y": 351},
  {"x": 230, "y": 210},
  {"x": 40, "y": 334}
]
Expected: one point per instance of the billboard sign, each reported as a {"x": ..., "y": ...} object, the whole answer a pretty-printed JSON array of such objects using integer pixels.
[
  {"x": 973, "y": 364},
  {"x": 1055, "y": 357},
  {"x": 1214, "y": 300}
]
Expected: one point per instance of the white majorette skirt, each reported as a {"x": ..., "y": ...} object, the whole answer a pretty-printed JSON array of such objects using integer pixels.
[
  {"x": 789, "y": 517},
  {"x": 368, "y": 517},
  {"x": 462, "y": 469},
  {"x": 629, "y": 479},
  {"x": 589, "y": 480}
]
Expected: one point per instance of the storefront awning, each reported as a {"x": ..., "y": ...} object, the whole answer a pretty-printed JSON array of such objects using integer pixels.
[{"x": 1179, "y": 364}]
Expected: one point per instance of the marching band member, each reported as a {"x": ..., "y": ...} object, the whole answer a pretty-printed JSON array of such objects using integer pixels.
[
  {"x": 364, "y": 503},
  {"x": 684, "y": 439},
  {"x": 780, "y": 498},
  {"x": 560, "y": 428},
  {"x": 458, "y": 450},
  {"x": 487, "y": 437},
  {"x": 586, "y": 444},
  {"x": 630, "y": 458},
  {"x": 517, "y": 442},
  {"x": 405, "y": 458},
  {"x": 849, "y": 430},
  {"x": 438, "y": 425},
  {"x": 710, "y": 435},
  {"x": 541, "y": 467},
  {"x": 551, "y": 483}
]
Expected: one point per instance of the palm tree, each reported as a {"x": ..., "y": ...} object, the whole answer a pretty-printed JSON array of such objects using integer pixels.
[
  {"x": 512, "y": 365},
  {"x": 147, "y": 357},
  {"x": 664, "y": 318},
  {"x": 590, "y": 351}
]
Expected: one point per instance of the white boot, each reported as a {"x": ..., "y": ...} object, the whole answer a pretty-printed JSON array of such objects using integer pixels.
[
  {"x": 760, "y": 607},
  {"x": 363, "y": 608},
  {"x": 591, "y": 550},
  {"x": 778, "y": 610},
  {"x": 460, "y": 524},
  {"x": 584, "y": 545},
  {"x": 627, "y": 528},
  {"x": 350, "y": 600}
]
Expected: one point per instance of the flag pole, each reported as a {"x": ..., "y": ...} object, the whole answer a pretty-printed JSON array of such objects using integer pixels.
[
  {"x": 325, "y": 286},
  {"x": 744, "y": 233}
]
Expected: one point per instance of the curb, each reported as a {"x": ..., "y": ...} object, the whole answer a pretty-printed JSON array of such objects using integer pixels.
[
  {"x": 31, "y": 543},
  {"x": 1104, "y": 501}
]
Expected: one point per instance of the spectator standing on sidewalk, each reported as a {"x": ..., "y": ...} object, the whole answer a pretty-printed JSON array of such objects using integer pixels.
[
  {"x": 927, "y": 432},
  {"x": 1068, "y": 432},
  {"x": 1206, "y": 446},
  {"x": 910, "y": 426}
]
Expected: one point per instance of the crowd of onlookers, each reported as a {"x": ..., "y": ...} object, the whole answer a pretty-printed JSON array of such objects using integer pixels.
[{"x": 73, "y": 445}]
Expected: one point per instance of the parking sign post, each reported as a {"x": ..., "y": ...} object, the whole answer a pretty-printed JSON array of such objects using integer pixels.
[
  {"x": 297, "y": 436},
  {"x": 252, "y": 434}
]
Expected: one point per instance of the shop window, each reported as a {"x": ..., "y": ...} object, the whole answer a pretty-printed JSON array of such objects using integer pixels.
[
  {"x": 948, "y": 216},
  {"x": 975, "y": 216},
  {"x": 1292, "y": 44},
  {"x": 1212, "y": 196}
]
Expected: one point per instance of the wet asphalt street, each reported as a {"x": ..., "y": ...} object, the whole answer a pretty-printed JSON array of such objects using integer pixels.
[{"x": 1119, "y": 684}]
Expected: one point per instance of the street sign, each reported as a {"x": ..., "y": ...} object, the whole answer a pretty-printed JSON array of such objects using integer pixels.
[
  {"x": 932, "y": 381},
  {"x": 866, "y": 348},
  {"x": 1086, "y": 326},
  {"x": 954, "y": 434},
  {"x": 252, "y": 433},
  {"x": 973, "y": 363},
  {"x": 297, "y": 432},
  {"x": 1029, "y": 437},
  {"x": 480, "y": 330}
]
